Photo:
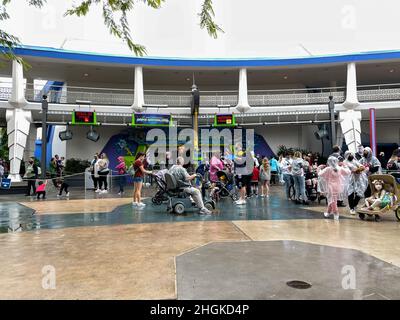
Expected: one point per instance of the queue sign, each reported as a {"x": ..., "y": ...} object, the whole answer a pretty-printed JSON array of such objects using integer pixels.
[
  {"x": 84, "y": 117},
  {"x": 224, "y": 120}
]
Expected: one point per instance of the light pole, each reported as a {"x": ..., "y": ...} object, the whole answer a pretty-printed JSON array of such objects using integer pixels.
[
  {"x": 331, "y": 107},
  {"x": 45, "y": 107}
]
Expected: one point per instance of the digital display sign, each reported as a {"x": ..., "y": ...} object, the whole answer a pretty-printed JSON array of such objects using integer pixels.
[
  {"x": 84, "y": 117},
  {"x": 151, "y": 120},
  {"x": 5, "y": 183},
  {"x": 224, "y": 120}
]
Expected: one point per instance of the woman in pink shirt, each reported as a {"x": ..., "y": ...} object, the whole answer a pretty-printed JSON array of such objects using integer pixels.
[
  {"x": 215, "y": 165},
  {"x": 121, "y": 169}
]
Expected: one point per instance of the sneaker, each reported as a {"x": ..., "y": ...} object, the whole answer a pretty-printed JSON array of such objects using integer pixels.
[
  {"x": 326, "y": 214},
  {"x": 97, "y": 190},
  {"x": 240, "y": 202},
  {"x": 336, "y": 217},
  {"x": 141, "y": 204},
  {"x": 67, "y": 194},
  {"x": 267, "y": 196},
  {"x": 205, "y": 211},
  {"x": 352, "y": 212},
  {"x": 104, "y": 191},
  {"x": 134, "y": 204},
  {"x": 120, "y": 193},
  {"x": 58, "y": 195},
  {"x": 262, "y": 196}
]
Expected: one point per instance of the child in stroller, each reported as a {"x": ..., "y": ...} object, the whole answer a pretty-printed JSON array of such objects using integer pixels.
[{"x": 224, "y": 187}]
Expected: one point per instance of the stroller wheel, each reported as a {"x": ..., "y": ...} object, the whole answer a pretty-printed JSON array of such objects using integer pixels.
[
  {"x": 377, "y": 218},
  {"x": 179, "y": 208},
  {"x": 361, "y": 216},
  {"x": 397, "y": 213},
  {"x": 234, "y": 197},
  {"x": 154, "y": 200}
]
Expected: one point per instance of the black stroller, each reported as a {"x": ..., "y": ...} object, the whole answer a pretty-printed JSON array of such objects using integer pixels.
[
  {"x": 225, "y": 187},
  {"x": 162, "y": 192}
]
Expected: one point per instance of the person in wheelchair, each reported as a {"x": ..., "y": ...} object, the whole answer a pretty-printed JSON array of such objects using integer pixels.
[{"x": 183, "y": 179}]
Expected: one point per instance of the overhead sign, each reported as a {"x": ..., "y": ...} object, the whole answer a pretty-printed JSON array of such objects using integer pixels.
[
  {"x": 151, "y": 120},
  {"x": 84, "y": 117},
  {"x": 224, "y": 120}
]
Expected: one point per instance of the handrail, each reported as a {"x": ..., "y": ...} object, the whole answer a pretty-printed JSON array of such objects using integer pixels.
[
  {"x": 294, "y": 89},
  {"x": 378, "y": 85},
  {"x": 75, "y": 87}
]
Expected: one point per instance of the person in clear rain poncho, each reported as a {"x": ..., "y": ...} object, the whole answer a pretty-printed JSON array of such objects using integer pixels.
[
  {"x": 333, "y": 180},
  {"x": 358, "y": 181}
]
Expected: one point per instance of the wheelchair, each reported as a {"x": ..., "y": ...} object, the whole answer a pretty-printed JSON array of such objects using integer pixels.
[{"x": 178, "y": 199}]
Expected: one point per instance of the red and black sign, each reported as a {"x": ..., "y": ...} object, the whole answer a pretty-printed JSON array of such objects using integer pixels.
[{"x": 84, "y": 117}]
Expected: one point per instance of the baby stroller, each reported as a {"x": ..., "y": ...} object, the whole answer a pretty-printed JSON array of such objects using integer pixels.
[
  {"x": 391, "y": 185},
  {"x": 162, "y": 192},
  {"x": 225, "y": 187},
  {"x": 311, "y": 186}
]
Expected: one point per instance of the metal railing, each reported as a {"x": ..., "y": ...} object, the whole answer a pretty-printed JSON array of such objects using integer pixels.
[
  {"x": 295, "y": 96},
  {"x": 381, "y": 92},
  {"x": 173, "y": 98},
  {"x": 5, "y": 93}
]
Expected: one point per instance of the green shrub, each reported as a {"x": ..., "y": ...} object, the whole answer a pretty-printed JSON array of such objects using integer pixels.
[{"x": 73, "y": 165}]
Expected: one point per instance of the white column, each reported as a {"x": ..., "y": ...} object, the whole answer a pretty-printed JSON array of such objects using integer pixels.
[
  {"x": 351, "y": 119},
  {"x": 18, "y": 122},
  {"x": 138, "y": 98},
  {"x": 243, "y": 102},
  {"x": 17, "y": 95},
  {"x": 351, "y": 128},
  {"x": 351, "y": 88}
]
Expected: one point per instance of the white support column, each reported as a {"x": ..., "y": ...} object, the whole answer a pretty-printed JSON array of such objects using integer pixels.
[
  {"x": 17, "y": 99},
  {"x": 351, "y": 88},
  {"x": 138, "y": 98},
  {"x": 18, "y": 122},
  {"x": 351, "y": 119},
  {"x": 243, "y": 102},
  {"x": 351, "y": 128}
]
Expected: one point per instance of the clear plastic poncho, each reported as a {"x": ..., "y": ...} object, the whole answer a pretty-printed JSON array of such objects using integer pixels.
[
  {"x": 334, "y": 180},
  {"x": 358, "y": 182}
]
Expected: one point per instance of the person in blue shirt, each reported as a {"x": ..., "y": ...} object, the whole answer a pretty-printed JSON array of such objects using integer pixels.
[{"x": 275, "y": 169}]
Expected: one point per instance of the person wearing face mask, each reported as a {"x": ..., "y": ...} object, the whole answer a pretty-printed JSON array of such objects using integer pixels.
[
  {"x": 372, "y": 165},
  {"x": 358, "y": 181},
  {"x": 31, "y": 174},
  {"x": 359, "y": 153}
]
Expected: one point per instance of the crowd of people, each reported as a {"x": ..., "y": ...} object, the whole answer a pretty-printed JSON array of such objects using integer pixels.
[
  {"x": 37, "y": 186},
  {"x": 342, "y": 179}
]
